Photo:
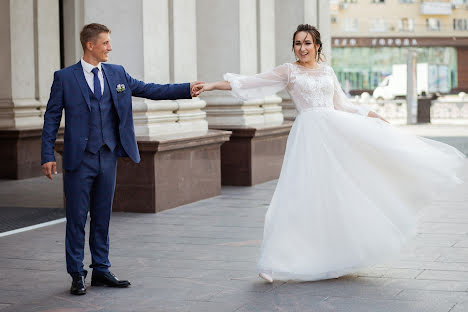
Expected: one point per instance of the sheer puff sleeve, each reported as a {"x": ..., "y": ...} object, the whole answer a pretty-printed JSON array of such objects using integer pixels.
[
  {"x": 341, "y": 102},
  {"x": 259, "y": 85}
]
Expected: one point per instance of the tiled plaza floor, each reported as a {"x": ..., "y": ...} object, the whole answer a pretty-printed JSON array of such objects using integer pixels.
[{"x": 202, "y": 256}]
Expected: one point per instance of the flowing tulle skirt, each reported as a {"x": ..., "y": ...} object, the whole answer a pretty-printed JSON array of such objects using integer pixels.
[{"x": 349, "y": 194}]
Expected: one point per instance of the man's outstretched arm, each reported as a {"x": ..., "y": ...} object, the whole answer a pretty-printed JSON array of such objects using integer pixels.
[{"x": 155, "y": 91}]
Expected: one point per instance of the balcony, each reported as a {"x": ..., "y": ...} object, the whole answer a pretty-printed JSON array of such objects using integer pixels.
[
  {"x": 459, "y": 4},
  {"x": 436, "y": 8}
]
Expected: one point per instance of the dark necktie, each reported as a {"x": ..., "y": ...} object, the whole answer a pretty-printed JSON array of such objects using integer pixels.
[{"x": 97, "y": 84}]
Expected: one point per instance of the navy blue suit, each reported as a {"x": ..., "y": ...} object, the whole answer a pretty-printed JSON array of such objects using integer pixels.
[{"x": 98, "y": 129}]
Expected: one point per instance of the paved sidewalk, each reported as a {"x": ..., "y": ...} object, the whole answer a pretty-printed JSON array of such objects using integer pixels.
[
  {"x": 39, "y": 192},
  {"x": 202, "y": 256},
  {"x": 29, "y": 202}
]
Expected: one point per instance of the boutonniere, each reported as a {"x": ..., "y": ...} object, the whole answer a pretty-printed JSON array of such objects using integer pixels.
[{"x": 120, "y": 88}]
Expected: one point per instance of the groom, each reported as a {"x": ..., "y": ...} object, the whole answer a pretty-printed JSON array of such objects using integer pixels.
[{"x": 97, "y": 99}]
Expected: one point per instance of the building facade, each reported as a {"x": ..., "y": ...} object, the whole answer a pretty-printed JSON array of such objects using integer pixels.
[
  {"x": 162, "y": 41},
  {"x": 369, "y": 36}
]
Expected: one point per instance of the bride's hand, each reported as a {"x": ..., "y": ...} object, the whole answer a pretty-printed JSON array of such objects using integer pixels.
[
  {"x": 210, "y": 86},
  {"x": 375, "y": 115},
  {"x": 199, "y": 88},
  {"x": 380, "y": 117}
]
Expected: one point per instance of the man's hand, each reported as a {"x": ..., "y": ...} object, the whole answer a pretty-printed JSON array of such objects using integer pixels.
[
  {"x": 48, "y": 168},
  {"x": 195, "y": 88}
]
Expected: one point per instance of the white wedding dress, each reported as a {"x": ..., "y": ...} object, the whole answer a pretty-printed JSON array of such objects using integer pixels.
[{"x": 350, "y": 187}]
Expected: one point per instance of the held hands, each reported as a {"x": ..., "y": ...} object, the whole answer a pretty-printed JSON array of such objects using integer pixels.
[
  {"x": 199, "y": 87},
  {"x": 48, "y": 168},
  {"x": 195, "y": 88}
]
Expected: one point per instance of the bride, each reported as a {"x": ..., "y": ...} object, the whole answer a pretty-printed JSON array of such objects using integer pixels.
[{"x": 350, "y": 186}]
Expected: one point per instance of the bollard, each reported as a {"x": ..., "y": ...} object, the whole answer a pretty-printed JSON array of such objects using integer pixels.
[{"x": 424, "y": 109}]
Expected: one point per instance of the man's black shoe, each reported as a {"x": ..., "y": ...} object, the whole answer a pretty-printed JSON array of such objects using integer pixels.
[
  {"x": 78, "y": 286},
  {"x": 107, "y": 279}
]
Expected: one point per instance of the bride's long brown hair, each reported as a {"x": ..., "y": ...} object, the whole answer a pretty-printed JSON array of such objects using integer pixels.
[{"x": 313, "y": 31}]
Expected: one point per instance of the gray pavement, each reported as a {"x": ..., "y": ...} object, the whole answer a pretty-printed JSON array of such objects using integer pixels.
[
  {"x": 202, "y": 257},
  {"x": 30, "y": 201},
  {"x": 37, "y": 192}
]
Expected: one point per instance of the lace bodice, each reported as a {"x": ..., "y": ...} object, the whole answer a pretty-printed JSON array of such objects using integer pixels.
[{"x": 308, "y": 88}]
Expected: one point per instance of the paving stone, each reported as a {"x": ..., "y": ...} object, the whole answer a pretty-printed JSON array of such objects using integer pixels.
[
  {"x": 434, "y": 296},
  {"x": 444, "y": 275},
  {"x": 444, "y": 228},
  {"x": 460, "y": 307},
  {"x": 402, "y": 273},
  {"x": 339, "y": 304},
  {"x": 461, "y": 244},
  {"x": 441, "y": 285},
  {"x": 35, "y": 192},
  {"x": 279, "y": 302}
]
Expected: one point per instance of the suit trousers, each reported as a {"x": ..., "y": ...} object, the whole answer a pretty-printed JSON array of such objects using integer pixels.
[{"x": 90, "y": 187}]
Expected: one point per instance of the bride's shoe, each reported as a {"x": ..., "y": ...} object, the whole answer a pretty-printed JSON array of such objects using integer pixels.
[{"x": 266, "y": 277}]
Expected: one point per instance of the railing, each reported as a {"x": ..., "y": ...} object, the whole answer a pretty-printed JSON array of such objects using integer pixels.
[
  {"x": 443, "y": 109},
  {"x": 436, "y": 8}
]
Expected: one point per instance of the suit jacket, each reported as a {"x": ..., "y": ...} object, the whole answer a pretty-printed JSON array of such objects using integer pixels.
[{"x": 69, "y": 92}]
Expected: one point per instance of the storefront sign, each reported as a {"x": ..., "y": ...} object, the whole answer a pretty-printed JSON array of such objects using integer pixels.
[{"x": 338, "y": 42}]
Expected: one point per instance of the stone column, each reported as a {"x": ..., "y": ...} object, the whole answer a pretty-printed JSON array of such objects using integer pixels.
[
  {"x": 29, "y": 55},
  {"x": 191, "y": 117},
  {"x": 156, "y": 42},
  {"x": 289, "y": 14},
  {"x": 19, "y": 106},
  {"x": 324, "y": 26},
  {"x": 73, "y": 22},
  {"x": 238, "y": 37},
  {"x": 227, "y": 42},
  {"x": 48, "y": 47},
  {"x": 272, "y": 111}
]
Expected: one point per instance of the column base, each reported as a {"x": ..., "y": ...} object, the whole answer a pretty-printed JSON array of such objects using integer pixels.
[
  {"x": 21, "y": 153},
  {"x": 173, "y": 171},
  {"x": 253, "y": 155}
]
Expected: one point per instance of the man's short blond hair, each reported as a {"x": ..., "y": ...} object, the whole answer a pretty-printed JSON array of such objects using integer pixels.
[{"x": 91, "y": 32}]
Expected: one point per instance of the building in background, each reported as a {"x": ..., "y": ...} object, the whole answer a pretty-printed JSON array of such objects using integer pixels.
[
  {"x": 163, "y": 41},
  {"x": 369, "y": 36}
]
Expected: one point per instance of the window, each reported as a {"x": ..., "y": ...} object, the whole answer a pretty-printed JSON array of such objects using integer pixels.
[
  {"x": 406, "y": 24},
  {"x": 406, "y": 1},
  {"x": 378, "y": 1},
  {"x": 458, "y": 3},
  {"x": 334, "y": 20},
  {"x": 351, "y": 25},
  {"x": 433, "y": 24},
  {"x": 378, "y": 25},
  {"x": 460, "y": 24}
]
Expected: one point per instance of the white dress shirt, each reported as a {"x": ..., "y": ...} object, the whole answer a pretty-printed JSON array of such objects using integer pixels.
[{"x": 87, "y": 70}]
